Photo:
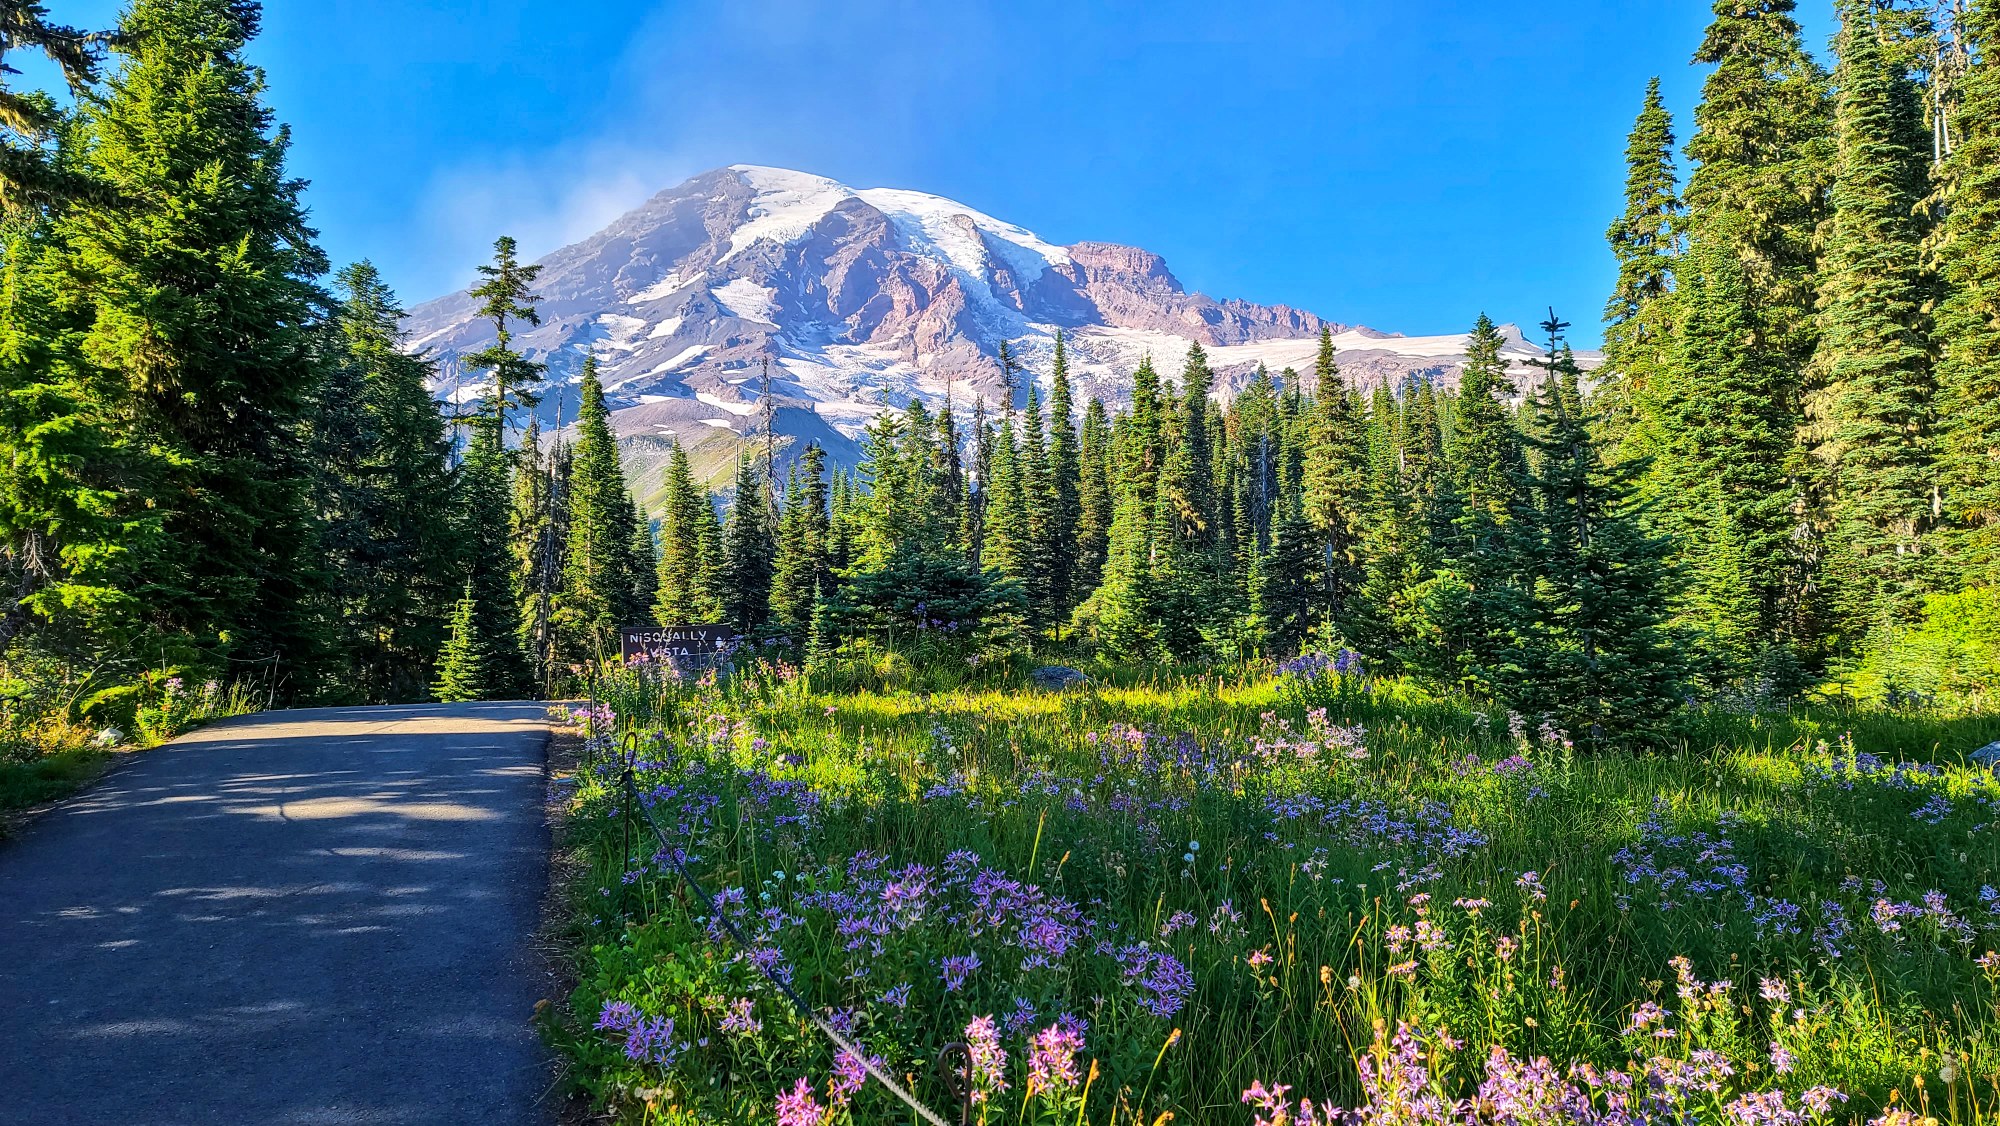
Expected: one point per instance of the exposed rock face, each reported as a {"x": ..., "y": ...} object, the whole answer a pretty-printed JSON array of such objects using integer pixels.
[{"x": 860, "y": 299}]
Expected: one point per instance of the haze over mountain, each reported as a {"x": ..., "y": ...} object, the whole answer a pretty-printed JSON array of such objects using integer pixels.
[{"x": 861, "y": 299}]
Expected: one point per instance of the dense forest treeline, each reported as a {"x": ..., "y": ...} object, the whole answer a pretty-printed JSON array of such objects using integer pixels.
[{"x": 223, "y": 463}]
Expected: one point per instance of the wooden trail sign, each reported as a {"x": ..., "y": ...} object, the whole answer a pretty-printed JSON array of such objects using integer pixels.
[{"x": 679, "y": 644}]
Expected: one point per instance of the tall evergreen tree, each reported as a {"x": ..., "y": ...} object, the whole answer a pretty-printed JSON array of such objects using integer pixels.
[
  {"x": 802, "y": 574},
  {"x": 1038, "y": 501},
  {"x": 1764, "y": 154},
  {"x": 690, "y": 539},
  {"x": 597, "y": 555},
  {"x": 746, "y": 554},
  {"x": 384, "y": 495},
  {"x": 30, "y": 179},
  {"x": 1334, "y": 492},
  {"x": 1485, "y": 553},
  {"x": 1094, "y": 499},
  {"x": 186, "y": 315},
  {"x": 1592, "y": 653},
  {"x": 506, "y": 298},
  {"x": 1871, "y": 417},
  {"x": 1967, "y": 253},
  {"x": 1722, "y": 479},
  {"x": 1645, "y": 241},
  {"x": 539, "y": 531},
  {"x": 1066, "y": 486}
]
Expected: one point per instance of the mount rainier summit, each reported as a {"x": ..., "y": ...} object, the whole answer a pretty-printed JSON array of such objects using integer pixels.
[{"x": 862, "y": 299}]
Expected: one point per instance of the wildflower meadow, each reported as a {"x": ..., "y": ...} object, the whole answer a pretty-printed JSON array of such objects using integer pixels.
[{"x": 1298, "y": 896}]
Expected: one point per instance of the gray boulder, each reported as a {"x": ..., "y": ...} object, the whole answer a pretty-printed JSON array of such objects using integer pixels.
[{"x": 1055, "y": 678}]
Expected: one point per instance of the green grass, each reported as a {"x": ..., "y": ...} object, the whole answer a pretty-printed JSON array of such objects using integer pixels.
[
  {"x": 1290, "y": 889},
  {"x": 47, "y": 778}
]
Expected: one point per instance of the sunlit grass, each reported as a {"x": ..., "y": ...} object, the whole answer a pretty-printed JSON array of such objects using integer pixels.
[{"x": 1282, "y": 883}]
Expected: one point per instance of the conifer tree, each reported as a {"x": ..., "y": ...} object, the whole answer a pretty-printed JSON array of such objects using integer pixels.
[
  {"x": 1645, "y": 241},
  {"x": 1871, "y": 410},
  {"x": 597, "y": 555},
  {"x": 1066, "y": 488},
  {"x": 485, "y": 534},
  {"x": 688, "y": 539},
  {"x": 540, "y": 523},
  {"x": 1593, "y": 654},
  {"x": 189, "y": 305},
  {"x": 461, "y": 672},
  {"x": 1037, "y": 512},
  {"x": 1764, "y": 154},
  {"x": 384, "y": 495},
  {"x": 948, "y": 475},
  {"x": 506, "y": 298},
  {"x": 30, "y": 179},
  {"x": 746, "y": 554},
  {"x": 1186, "y": 492},
  {"x": 1485, "y": 552},
  {"x": 1721, "y": 479},
  {"x": 1009, "y": 548},
  {"x": 979, "y": 493},
  {"x": 1967, "y": 254},
  {"x": 801, "y": 575},
  {"x": 642, "y": 564},
  {"x": 1333, "y": 493},
  {"x": 1094, "y": 499}
]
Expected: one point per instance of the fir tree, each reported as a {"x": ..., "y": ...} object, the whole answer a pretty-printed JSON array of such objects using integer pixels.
[
  {"x": 1871, "y": 412},
  {"x": 1066, "y": 485},
  {"x": 540, "y": 522},
  {"x": 29, "y": 178},
  {"x": 746, "y": 554},
  {"x": 1485, "y": 551},
  {"x": 597, "y": 556},
  {"x": 190, "y": 302},
  {"x": 506, "y": 298},
  {"x": 1967, "y": 254},
  {"x": 802, "y": 574},
  {"x": 687, "y": 581},
  {"x": 1764, "y": 153},
  {"x": 1282, "y": 593},
  {"x": 384, "y": 495},
  {"x": 485, "y": 535},
  {"x": 1721, "y": 479},
  {"x": 462, "y": 673},
  {"x": 1094, "y": 499},
  {"x": 1645, "y": 241},
  {"x": 1334, "y": 490},
  {"x": 1592, "y": 651},
  {"x": 642, "y": 564}
]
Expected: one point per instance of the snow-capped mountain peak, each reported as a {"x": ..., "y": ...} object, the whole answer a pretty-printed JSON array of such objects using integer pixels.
[{"x": 858, "y": 299}]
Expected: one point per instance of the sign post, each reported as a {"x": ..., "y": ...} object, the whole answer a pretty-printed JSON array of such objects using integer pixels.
[{"x": 681, "y": 645}]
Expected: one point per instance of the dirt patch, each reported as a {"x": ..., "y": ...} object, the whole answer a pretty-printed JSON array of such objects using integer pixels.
[{"x": 555, "y": 940}]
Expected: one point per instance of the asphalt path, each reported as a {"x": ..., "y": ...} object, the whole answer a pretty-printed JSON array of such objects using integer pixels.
[{"x": 318, "y": 916}]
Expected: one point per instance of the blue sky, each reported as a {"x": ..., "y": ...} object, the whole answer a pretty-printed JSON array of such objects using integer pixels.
[{"x": 1400, "y": 165}]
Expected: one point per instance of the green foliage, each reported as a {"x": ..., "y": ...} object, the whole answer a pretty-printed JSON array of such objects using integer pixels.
[
  {"x": 599, "y": 588},
  {"x": 462, "y": 673},
  {"x": 1292, "y": 867},
  {"x": 1871, "y": 408},
  {"x": 745, "y": 571},
  {"x": 1645, "y": 240},
  {"x": 690, "y": 551},
  {"x": 1967, "y": 255},
  {"x": 1952, "y": 651}
]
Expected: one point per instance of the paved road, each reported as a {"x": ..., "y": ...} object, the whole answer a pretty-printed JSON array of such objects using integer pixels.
[{"x": 300, "y": 917}]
